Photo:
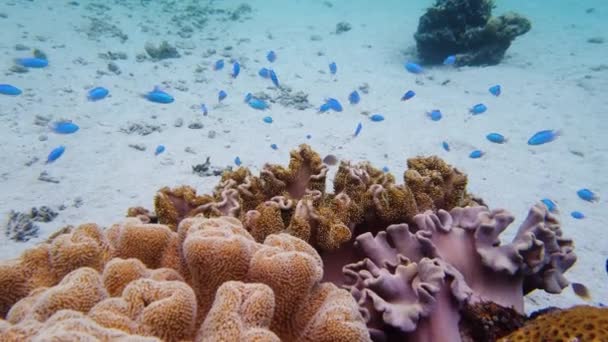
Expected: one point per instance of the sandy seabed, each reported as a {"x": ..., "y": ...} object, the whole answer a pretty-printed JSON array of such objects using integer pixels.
[{"x": 552, "y": 78}]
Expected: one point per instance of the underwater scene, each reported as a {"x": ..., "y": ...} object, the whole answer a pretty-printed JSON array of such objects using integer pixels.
[{"x": 303, "y": 170}]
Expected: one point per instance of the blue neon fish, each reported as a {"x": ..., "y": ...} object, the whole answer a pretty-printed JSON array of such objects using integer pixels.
[
  {"x": 264, "y": 73},
  {"x": 435, "y": 115},
  {"x": 478, "y": 109},
  {"x": 496, "y": 138},
  {"x": 587, "y": 195},
  {"x": 221, "y": 95},
  {"x": 449, "y": 60},
  {"x": 476, "y": 154},
  {"x": 159, "y": 149},
  {"x": 236, "y": 69},
  {"x": 408, "y": 95},
  {"x": 159, "y": 96},
  {"x": 495, "y": 90},
  {"x": 219, "y": 65},
  {"x": 358, "y": 129},
  {"x": 7, "y": 89},
  {"x": 32, "y": 62},
  {"x": 413, "y": 68},
  {"x": 543, "y": 137},
  {"x": 271, "y": 56},
  {"x": 333, "y": 68},
  {"x": 97, "y": 93},
  {"x": 64, "y": 127},
  {"x": 354, "y": 97},
  {"x": 55, "y": 154},
  {"x": 274, "y": 78},
  {"x": 377, "y": 117},
  {"x": 551, "y": 206}
]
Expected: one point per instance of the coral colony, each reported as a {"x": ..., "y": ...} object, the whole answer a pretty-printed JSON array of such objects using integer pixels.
[{"x": 276, "y": 257}]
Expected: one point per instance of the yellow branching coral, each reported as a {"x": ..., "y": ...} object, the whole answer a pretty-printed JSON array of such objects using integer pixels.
[
  {"x": 240, "y": 312},
  {"x": 580, "y": 323}
]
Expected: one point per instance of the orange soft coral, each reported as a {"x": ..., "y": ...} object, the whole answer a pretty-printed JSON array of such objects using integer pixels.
[
  {"x": 580, "y": 323},
  {"x": 173, "y": 205},
  {"x": 240, "y": 312},
  {"x": 47, "y": 263},
  {"x": 305, "y": 172},
  {"x": 435, "y": 184}
]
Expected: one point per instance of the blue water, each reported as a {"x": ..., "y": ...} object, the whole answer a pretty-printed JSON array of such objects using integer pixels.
[{"x": 553, "y": 77}]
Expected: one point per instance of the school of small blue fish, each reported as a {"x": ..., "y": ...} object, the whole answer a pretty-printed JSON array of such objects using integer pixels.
[{"x": 330, "y": 104}]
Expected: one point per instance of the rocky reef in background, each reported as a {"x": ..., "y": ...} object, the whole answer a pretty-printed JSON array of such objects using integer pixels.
[
  {"x": 467, "y": 29},
  {"x": 277, "y": 257}
]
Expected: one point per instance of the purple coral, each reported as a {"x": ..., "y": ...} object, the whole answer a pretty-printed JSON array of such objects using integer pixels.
[{"x": 415, "y": 278}]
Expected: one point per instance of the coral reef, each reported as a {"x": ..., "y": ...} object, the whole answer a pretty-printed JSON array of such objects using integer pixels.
[
  {"x": 277, "y": 258},
  {"x": 466, "y": 29},
  {"x": 415, "y": 278},
  {"x": 147, "y": 280},
  {"x": 579, "y": 323}
]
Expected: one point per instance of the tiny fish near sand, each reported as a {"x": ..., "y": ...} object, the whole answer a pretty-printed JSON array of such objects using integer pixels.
[
  {"x": 271, "y": 56},
  {"x": 377, "y": 117},
  {"x": 543, "y": 137},
  {"x": 495, "y": 90},
  {"x": 413, "y": 68},
  {"x": 577, "y": 215},
  {"x": 476, "y": 154},
  {"x": 273, "y": 78},
  {"x": 496, "y": 138},
  {"x": 551, "y": 206},
  {"x": 221, "y": 95},
  {"x": 218, "y": 65},
  {"x": 477, "y": 109},
  {"x": 264, "y": 73},
  {"x": 236, "y": 69},
  {"x": 159, "y": 96},
  {"x": 333, "y": 68},
  {"x": 587, "y": 195},
  {"x": 64, "y": 127},
  {"x": 97, "y": 93},
  {"x": 7, "y": 89},
  {"x": 408, "y": 95},
  {"x": 358, "y": 129},
  {"x": 449, "y": 60},
  {"x": 354, "y": 98},
  {"x": 159, "y": 149},
  {"x": 55, "y": 154},
  {"x": 435, "y": 115},
  {"x": 32, "y": 62}
]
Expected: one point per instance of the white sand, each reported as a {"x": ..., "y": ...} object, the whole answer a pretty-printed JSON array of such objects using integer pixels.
[{"x": 546, "y": 79}]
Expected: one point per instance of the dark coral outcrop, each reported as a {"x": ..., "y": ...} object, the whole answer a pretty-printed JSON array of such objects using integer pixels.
[{"x": 467, "y": 29}]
